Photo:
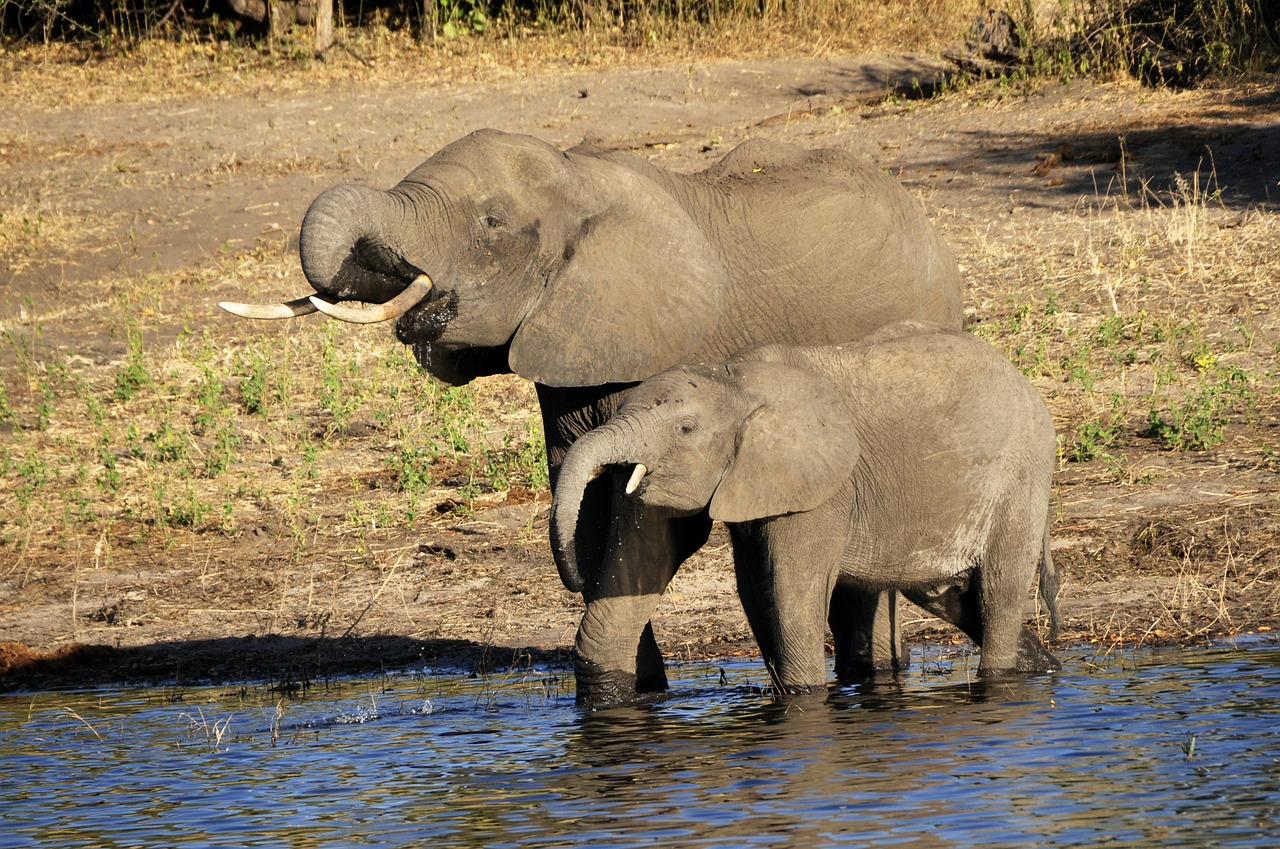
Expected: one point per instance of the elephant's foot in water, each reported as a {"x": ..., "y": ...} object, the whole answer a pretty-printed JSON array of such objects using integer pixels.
[
  {"x": 606, "y": 677},
  {"x": 1033, "y": 656},
  {"x": 601, "y": 687},
  {"x": 598, "y": 687}
]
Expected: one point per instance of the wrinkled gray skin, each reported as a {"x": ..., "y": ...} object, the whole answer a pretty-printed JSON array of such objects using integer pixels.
[
  {"x": 588, "y": 270},
  {"x": 917, "y": 460}
]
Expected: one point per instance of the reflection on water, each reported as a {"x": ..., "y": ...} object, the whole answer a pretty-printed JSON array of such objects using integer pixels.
[{"x": 1154, "y": 748}]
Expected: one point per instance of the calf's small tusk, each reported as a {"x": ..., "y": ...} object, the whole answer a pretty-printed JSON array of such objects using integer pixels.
[
  {"x": 636, "y": 477},
  {"x": 289, "y": 309},
  {"x": 394, "y": 308}
]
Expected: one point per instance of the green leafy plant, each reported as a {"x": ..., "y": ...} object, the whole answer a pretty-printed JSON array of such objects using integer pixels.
[
  {"x": 166, "y": 444},
  {"x": 253, "y": 383},
  {"x": 187, "y": 510},
  {"x": 412, "y": 466},
  {"x": 456, "y": 17},
  {"x": 219, "y": 457},
  {"x": 456, "y": 418},
  {"x": 1197, "y": 421},
  {"x": 211, "y": 409},
  {"x": 33, "y": 473},
  {"x": 339, "y": 389},
  {"x": 45, "y": 404},
  {"x": 133, "y": 375},
  {"x": 1095, "y": 437},
  {"x": 109, "y": 479}
]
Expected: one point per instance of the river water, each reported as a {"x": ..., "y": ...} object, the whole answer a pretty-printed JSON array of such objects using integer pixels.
[{"x": 1146, "y": 748}]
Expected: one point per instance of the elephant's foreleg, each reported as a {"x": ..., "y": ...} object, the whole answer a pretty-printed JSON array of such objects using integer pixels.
[
  {"x": 785, "y": 580},
  {"x": 593, "y": 534},
  {"x": 566, "y": 415},
  {"x": 608, "y": 647}
]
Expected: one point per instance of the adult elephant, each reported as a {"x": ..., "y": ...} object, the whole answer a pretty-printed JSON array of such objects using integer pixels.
[{"x": 587, "y": 271}]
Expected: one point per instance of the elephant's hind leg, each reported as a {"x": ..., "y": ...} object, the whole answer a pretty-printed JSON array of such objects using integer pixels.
[
  {"x": 1002, "y": 583},
  {"x": 960, "y": 605}
]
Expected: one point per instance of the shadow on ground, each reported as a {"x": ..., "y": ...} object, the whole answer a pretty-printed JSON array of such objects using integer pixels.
[
  {"x": 287, "y": 663},
  {"x": 1226, "y": 155}
]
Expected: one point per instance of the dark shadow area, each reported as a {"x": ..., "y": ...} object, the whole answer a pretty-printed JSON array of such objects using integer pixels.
[
  {"x": 1225, "y": 157},
  {"x": 289, "y": 664},
  {"x": 109, "y": 24},
  {"x": 908, "y": 78},
  {"x": 863, "y": 85}
]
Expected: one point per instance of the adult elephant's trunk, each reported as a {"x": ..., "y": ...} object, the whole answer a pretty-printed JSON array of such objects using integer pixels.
[
  {"x": 584, "y": 463},
  {"x": 351, "y": 245}
]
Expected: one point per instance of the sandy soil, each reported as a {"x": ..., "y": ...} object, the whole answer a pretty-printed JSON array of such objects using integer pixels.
[{"x": 1153, "y": 544}]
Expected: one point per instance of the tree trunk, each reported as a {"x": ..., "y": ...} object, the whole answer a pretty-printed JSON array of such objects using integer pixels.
[
  {"x": 324, "y": 25},
  {"x": 430, "y": 22},
  {"x": 279, "y": 18}
]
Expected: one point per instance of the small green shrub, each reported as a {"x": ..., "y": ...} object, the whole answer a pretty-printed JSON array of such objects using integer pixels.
[
  {"x": 253, "y": 369},
  {"x": 412, "y": 467},
  {"x": 133, "y": 375},
  {"x": 1197, "y": 421},
  {"x": 1096, "y": 437}
]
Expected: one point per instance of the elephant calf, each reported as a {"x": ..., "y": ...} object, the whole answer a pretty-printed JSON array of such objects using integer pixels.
[{"x": 917, "y": 459}]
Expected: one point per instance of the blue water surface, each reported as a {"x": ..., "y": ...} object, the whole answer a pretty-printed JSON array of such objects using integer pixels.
[{"x": 1159, "y": 747}]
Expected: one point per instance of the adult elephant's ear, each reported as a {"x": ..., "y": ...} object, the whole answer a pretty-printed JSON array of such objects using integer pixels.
[
  {"x": 637, "y": 287},
  {"x": 794, "y": 451}
]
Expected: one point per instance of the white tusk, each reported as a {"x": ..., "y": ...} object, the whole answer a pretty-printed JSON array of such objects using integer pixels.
[
  {"x": 394, "y": 308},
  {"x": 636, "y": 477},
  {"x": 289, "y": 309}
]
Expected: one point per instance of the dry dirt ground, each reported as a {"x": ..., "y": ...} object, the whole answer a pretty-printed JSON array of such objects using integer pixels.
[{"x": 1092, "y": 222}]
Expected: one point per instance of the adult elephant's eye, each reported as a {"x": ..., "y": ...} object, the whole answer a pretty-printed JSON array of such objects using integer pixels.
[
  {"x": 686, "y": 427},
  {"x": 491, "y": 221}
]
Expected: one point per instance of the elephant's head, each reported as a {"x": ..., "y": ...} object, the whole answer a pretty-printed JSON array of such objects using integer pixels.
[
  {"x": 501, "y": 252},
  {"x": 745, "y": 440}
]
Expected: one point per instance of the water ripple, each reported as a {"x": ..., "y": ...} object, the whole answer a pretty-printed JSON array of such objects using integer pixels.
[{"x": 1161, "y": 747}]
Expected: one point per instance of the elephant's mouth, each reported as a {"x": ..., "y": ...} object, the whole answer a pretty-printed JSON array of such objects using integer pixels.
[
  {"x": 426, "y": 321},
  {"x": 636, "y": 483}
]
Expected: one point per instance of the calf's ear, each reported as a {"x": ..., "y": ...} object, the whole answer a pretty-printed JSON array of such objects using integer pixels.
[{"x": 794, "y": 451}]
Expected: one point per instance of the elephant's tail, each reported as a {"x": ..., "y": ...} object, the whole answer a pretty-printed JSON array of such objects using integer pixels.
[{"x": 1049, "y": 584}]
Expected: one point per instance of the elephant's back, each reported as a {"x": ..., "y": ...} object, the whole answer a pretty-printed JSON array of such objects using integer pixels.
[
  {"x": 837, "y": 244},
  {"x": 913, "y": 370}
]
